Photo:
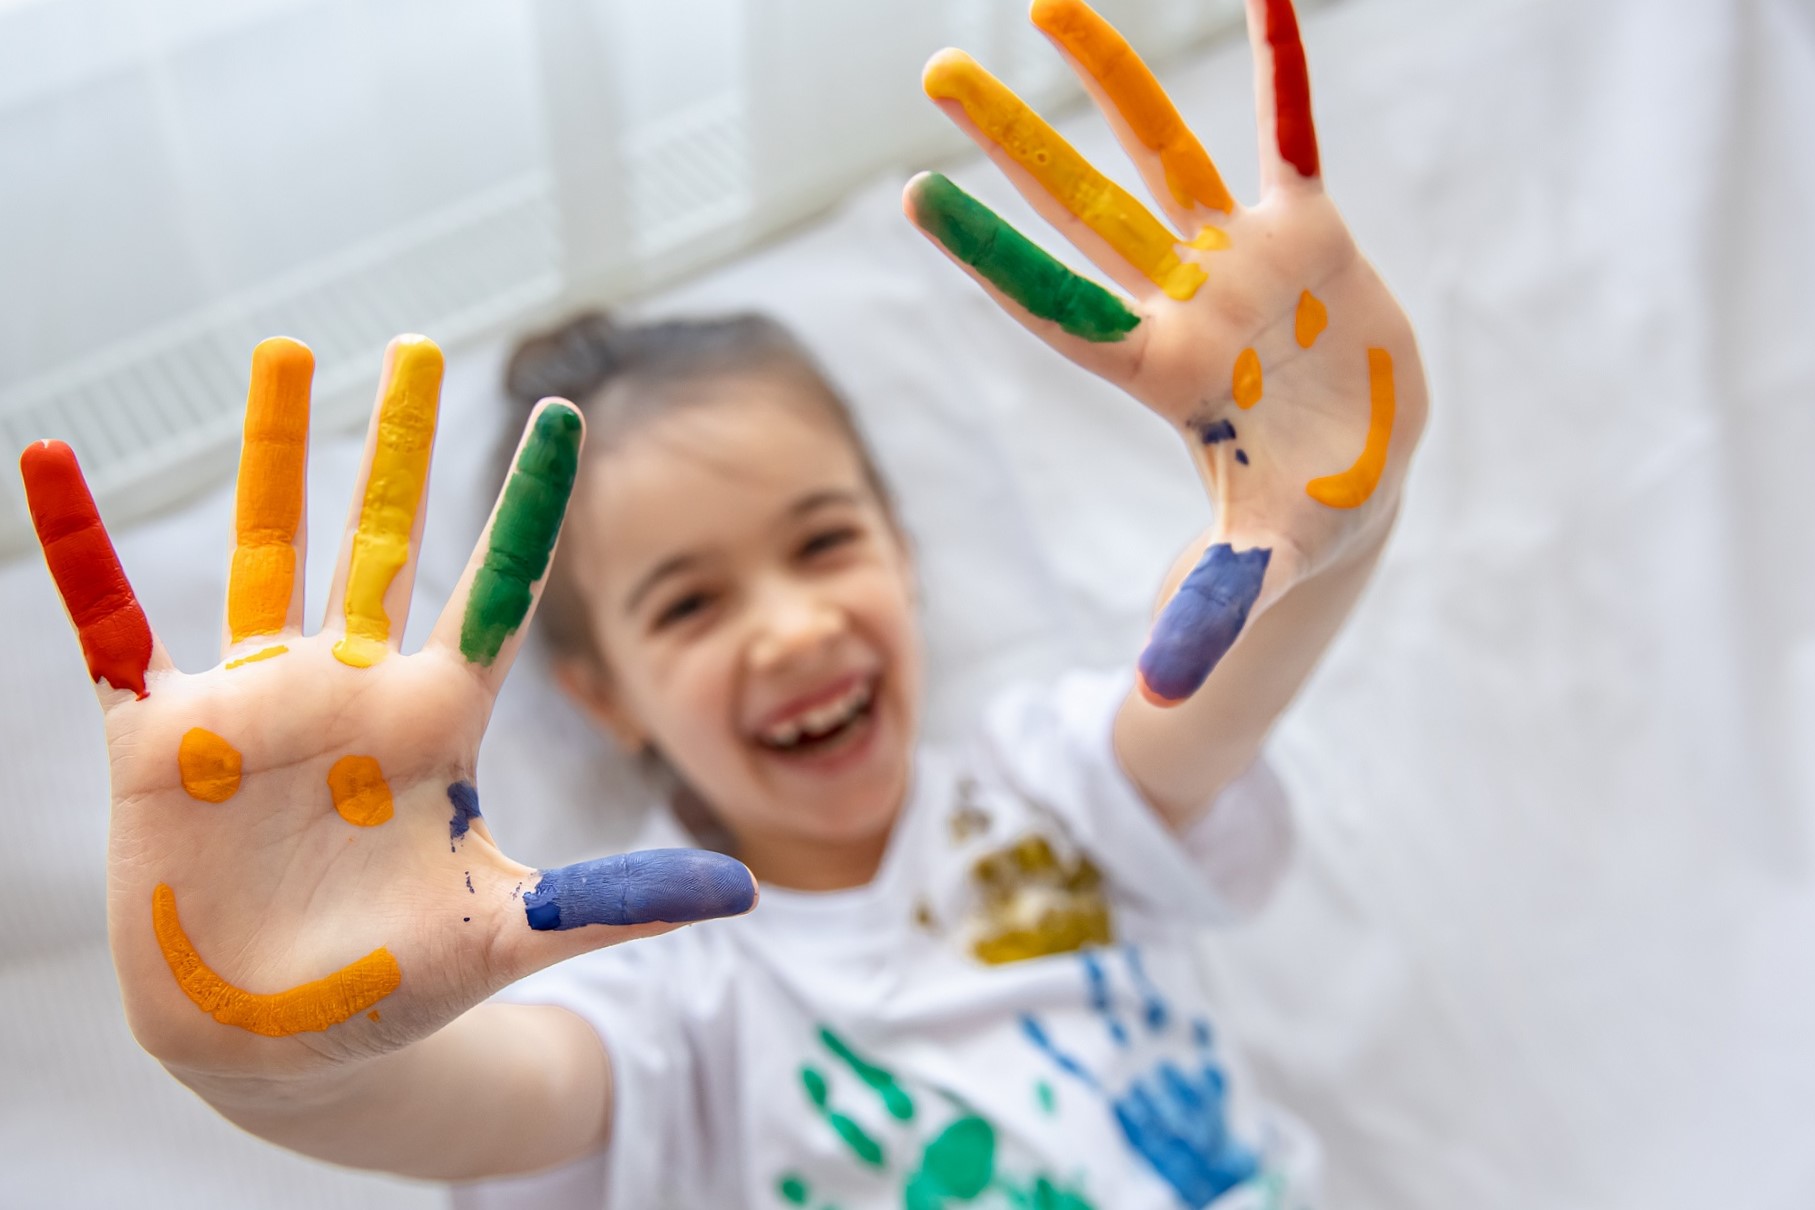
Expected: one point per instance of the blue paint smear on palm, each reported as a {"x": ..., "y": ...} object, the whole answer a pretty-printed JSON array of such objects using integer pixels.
[
  {"x": 1174, "y": 1116},
  {"x": 1203, "y": 618}
]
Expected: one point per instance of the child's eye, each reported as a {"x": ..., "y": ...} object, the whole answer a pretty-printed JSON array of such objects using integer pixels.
[
  {"x": 828, "y": 539},
  {"x": 682, "y": 608}
]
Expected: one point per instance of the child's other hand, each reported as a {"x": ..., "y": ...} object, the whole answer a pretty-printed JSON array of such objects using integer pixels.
[
  {"x": 298, "y": 874},
  {"x": 1259, "y": 332}
]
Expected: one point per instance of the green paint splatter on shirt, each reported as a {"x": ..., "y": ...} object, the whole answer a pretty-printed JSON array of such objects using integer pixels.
[
  {"x": 523, "y": 534},
  {"x": 1017, "y": 266},
  {"x": 792, "y": 1189},
  {"x": 1049, "y": 1101},
  {"x": 855, "y": 1137},
  {"x": 894, "y": 1098}
]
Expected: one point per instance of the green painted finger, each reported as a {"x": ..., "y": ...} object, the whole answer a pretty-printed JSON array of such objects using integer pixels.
[
  {"x": 1015, "y": 265},
  {"x": 523, "y": 534}
]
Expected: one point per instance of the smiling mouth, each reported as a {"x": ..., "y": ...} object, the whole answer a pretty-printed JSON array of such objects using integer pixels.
[{"x": 824, "y": 727}]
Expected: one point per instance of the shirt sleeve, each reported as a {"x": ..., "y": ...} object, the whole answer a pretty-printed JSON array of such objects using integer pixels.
[
  {"x": 649, "y": 1007},
  {"x": 1054, "y": 746}
]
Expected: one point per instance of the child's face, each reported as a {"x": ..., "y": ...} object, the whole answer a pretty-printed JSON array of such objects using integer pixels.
[{"x": 755, "y": 605}]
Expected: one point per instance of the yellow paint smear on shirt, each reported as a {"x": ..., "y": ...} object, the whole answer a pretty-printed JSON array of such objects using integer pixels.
[
  {"x": 1191, "y": 175},
  {"x": 1352, "y": 487},
  {"x": 1245, "y": 382},
  {"x": 269, "y": 505},
  {"x": 1098, "y": 202},
  {"x": 1311, "y": 320},
  {"x": 305, "y": 1008},
  {"x": 209, "y": 765},
  {"x": 387, "y": 515},
  {"x": 268, "y": 653},
  {"x": 361, "y": 794}
]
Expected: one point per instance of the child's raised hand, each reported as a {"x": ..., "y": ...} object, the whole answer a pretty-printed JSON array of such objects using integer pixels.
[
  {"x": 298, "y": 873},
  {"x": 1260, "y": 332}
]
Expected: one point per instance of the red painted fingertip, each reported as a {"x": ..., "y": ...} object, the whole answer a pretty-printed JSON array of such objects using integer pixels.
[
  {"x": 115, "y": 637},
  {"x": 1291, "y": 90}
]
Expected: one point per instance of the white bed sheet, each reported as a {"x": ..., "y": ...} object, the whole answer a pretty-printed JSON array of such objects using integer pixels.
[{"x": 1547, "y": 943}]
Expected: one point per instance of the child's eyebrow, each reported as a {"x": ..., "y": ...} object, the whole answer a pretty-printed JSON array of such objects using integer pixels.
[{"x": 825, "y": 498}]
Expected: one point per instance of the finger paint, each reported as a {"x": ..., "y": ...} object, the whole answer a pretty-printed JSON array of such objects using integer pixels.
[
  {"x": 1201, "y": 621},
  {"x": 387, "y": 516},
  {"x": 268, "y": 653},
  {"x": 1098, "y": 202},
  {"x": 1174, "y": 1116},
  {"x": 1015, "y": 265},
  {"x": 675, "y": 886},
  {"x": 522, "y": 535},
  {"x": 115, "y": 637},
  {"x": 1310, "y": 321},
  {"x": 1245, "y": 380},
  {"x": 1351, "y": 488},
  {"x": 361, "y": 794},
  {"x": 208, "y": 765},
  {"x": 269, "y": 504},
  {"x": 305, "y": 1008},
  {"x": 862, "y": 1144},
  {"x": 1212, "y": 432},
  {"x": 1191, "y": 176},
  {"x": 1210, "y": 239},
  {"x": 464, "y": 797},
  {"x": 882, "y": 1082},
  {"x": 1292, "y": 126}
]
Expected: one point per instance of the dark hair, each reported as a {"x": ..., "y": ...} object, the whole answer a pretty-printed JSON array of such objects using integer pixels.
[{"x": 622, "y": 376}]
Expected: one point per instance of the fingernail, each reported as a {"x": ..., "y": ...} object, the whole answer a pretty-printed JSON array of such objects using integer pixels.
[{"x": 670, "y": 886}]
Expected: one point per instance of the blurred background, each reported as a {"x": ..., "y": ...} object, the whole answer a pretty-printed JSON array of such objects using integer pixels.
[{"x": 1548, "y": 938}]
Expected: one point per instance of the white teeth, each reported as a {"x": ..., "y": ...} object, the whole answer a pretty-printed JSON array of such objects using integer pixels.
[{"x": 821, "y": 721}]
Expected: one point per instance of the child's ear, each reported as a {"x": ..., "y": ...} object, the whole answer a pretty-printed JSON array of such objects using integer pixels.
[{"x": 589, "y": 690}]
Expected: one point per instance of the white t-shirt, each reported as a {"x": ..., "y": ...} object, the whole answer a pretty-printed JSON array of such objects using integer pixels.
[{"x": 1009, "y": 1015}]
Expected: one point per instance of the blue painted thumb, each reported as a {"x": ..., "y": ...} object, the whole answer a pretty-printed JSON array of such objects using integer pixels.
[
  {"x": 669, "y": 886},
  {"x": 1201, "y": 621}
]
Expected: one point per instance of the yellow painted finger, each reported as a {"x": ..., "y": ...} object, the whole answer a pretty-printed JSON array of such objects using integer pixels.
[
  {"x": 269, "y": 506},
  {"x": 1098, "y": 202},
  {"x": 1352, "y": 487},
  {"x": 387, "y": 515},
  {"x": 300, "y": 1009},
  {"x": 1191, "y": 176}
]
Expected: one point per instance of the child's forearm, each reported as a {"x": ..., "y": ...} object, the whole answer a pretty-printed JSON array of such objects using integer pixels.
[
  {"x": 504, "y": 1088},
  {"x": 1181, "y": 757}
]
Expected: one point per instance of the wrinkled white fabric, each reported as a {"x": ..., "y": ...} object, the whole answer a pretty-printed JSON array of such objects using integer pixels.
[{"x": 1547, "y": 939}]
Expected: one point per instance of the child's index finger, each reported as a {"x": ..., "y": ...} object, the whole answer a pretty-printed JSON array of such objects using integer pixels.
[
  {"x": 115, "y": 637},
  {"x": 523, "y": 532}
]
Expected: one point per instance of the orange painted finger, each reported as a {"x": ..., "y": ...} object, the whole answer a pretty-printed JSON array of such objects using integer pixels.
[
  {"x": 1128, "y": 228},
  {"x": 116, "y": 639},
  {"x": 262, "y": 585},
  {"x": 1121, "y": 79}
]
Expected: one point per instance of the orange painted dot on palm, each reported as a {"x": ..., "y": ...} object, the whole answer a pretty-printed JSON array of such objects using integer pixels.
[
  {"x": 209, "y": 766},
  {"x": 1245, "y": 382},
  {"x": 1311, "y": 320},
  {"x": 361, "y": 794}
]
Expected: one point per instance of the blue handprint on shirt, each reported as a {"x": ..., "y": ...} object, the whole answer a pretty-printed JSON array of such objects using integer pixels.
[{"x": 1173, "y": 1116}]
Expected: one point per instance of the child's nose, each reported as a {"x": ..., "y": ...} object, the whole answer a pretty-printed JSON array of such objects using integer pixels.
[{"x": 795, "y": 623}]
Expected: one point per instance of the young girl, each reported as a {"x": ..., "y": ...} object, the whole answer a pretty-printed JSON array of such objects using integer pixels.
[{"x": 970, "y": 978}]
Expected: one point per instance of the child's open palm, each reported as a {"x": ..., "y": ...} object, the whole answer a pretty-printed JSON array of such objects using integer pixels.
[
  {"x": 298, "y": 872},
  {"x": 1259, "y": 332}
]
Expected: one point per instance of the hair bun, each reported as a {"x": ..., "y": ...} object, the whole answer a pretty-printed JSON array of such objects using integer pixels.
[{"x": 572, "y": 361}]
